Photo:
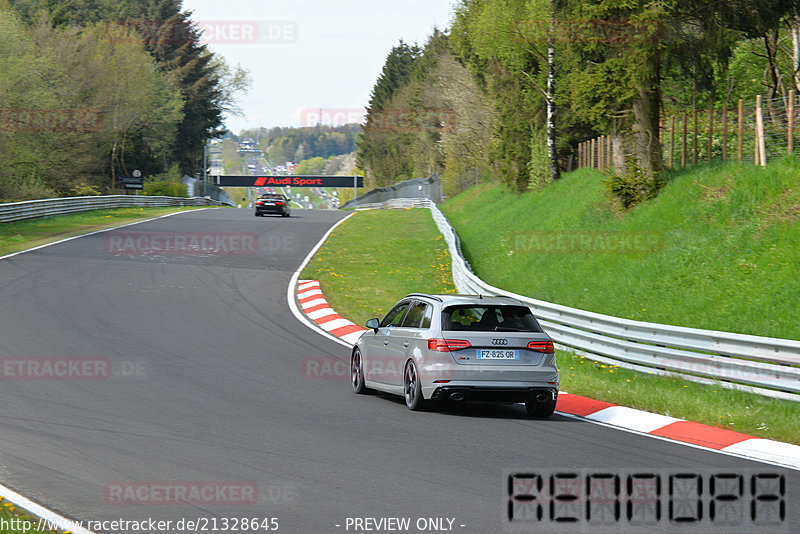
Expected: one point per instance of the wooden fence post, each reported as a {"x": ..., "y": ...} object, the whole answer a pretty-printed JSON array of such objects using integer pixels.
[
  {"x": 710, "y": 130},
  {"x": 583, "y": 152},
  {"x": 586, "y": 153},
  {"x": 694, "y": 138},
  {"x": 683, "y": 149},
  {"x": 672, "y": 142},
  {"x": 741, "y": 129},
  {"x": 790, "y": 124},
  {"x": 761, "y": 149},
  {"x": 724, "y": 131},
  {"x": 601, "y": 155}
]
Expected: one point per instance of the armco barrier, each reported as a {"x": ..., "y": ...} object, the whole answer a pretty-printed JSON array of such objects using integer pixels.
[
  {"x": 418, "y": 189},
  {"x": 31, "y": 209},
  {"x": 396, "y": 203},
  {"x": 768, "y": 366}
]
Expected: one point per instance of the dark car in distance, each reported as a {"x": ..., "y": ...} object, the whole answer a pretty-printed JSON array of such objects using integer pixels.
[{"x": 274, "y": 203}]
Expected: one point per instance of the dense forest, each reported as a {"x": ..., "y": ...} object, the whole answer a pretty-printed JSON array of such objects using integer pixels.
[
  {"x": 93, "y": 89},
  {"x": 512, "y": 86}
]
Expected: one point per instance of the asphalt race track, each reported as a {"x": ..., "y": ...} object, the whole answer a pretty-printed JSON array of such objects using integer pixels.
[{"x": 207, "y": 386}]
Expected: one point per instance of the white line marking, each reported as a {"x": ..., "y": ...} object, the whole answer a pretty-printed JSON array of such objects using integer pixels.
[
  {"x": 97, "y": 232},
  {"x": 336, "y": 323},
  {"x": 321, "y": 314},
  {"x": 785, "y": 454},
  {"x": 631, "y": 418},
  {"x": 37, "y": 509},
  {"x": 314, "y": 302},
  {"x": 291, "y": 289}
]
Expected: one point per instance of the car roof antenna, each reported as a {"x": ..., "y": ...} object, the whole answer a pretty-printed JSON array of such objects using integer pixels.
[{"x": 480, "y": 296}]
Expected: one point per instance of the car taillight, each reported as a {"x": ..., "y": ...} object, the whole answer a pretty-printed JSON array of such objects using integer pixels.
[
  {"x": 447, "y": 345},
  {"x": 259, "y": 203},
  {"x": 542, "y": 346},
  {"x": 279, "y": 203}
]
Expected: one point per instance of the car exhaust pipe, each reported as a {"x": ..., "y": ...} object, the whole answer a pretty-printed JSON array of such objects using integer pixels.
[
  {"x": 542, "y": 397},
  {"x": 456, "y": 396}
]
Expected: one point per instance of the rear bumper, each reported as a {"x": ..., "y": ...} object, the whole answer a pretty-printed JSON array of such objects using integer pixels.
[
  {"x": 277, "y": 210},
  {"x": 492, "y": 394}
]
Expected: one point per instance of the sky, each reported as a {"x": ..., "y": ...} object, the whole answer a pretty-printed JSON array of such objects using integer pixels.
[{"x": 311, "y": 61}]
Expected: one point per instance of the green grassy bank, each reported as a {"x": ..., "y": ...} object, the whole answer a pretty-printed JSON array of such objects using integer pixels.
[{"x": 719, "y": 248}]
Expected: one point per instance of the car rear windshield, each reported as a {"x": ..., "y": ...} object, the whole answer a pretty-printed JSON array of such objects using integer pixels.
[{"x": 489, "y": 319}]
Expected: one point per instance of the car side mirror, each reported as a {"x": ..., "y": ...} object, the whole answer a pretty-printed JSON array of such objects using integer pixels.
[{"x": 374, "y": 324}]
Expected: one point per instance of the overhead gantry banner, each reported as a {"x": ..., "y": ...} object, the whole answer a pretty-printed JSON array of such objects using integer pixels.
[{"x": 290, "y": 180}]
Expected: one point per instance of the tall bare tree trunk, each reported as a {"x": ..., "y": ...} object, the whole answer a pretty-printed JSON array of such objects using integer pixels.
[
  {"x": 552, "y": 154},
  {"x": 794, "y": 28}
]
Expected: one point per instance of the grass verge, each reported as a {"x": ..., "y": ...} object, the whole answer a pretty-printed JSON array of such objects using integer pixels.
[
  {"x": 15, "y": 520},
  {"x": 377, "y": 257},
  {"x": 21, "y": 235},
  {"x": 240, "y": 195}
]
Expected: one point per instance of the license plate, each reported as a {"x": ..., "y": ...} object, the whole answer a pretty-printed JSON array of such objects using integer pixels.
[{"x": 498, "y": 354}]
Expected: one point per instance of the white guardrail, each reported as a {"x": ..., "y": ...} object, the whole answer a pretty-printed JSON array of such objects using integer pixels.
[
  {"x": 31, "y": 209},
  {"x": 768, "y": 366}
]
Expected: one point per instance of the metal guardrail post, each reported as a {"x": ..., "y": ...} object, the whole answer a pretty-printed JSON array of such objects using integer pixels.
[{"x": 32, "y": 209}]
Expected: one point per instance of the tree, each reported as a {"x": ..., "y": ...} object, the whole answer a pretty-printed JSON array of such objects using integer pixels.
[
  {"x": 311, "y": 166},
  {"x": 615, "y": 82},
  {"x": 139, "y": 106},
  {"x": 509, "y": 47},
  {"x": 382, "y": 149},
  {"x": 207, "y": 85}
]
